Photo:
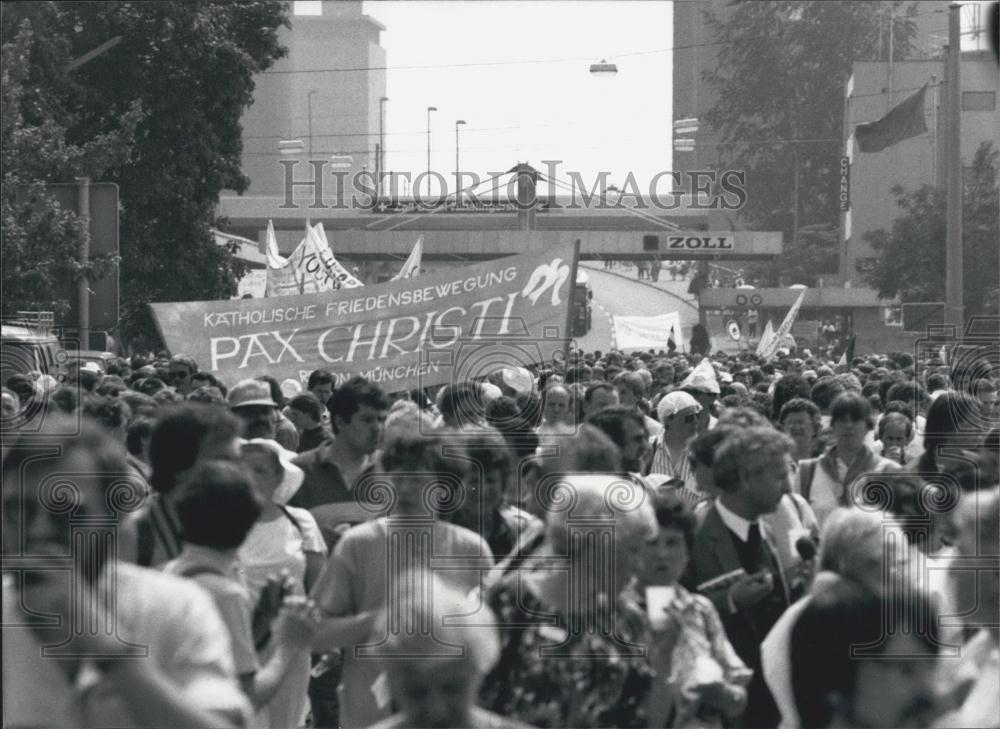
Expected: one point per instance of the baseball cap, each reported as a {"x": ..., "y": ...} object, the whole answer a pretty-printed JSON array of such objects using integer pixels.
[
  {"x": 518, "y": 379},
  {"x": 250, "y": 392},
  {"x": 676, "y": 402}
]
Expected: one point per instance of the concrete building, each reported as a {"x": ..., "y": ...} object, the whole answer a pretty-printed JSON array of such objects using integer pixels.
[
  {"x": 325, "y": 92},
  {"x": 916, "y": 161}
]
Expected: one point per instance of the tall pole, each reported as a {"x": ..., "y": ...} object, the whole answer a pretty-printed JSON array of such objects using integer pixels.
[
  {"x": 458, "y": 179},
  {"x": 83, "y": 285},
  {"x": 953, "y": 165},
  {"x": 309, "y": 103},
  {"x": 429, "y": 110},
  {"x": 380, "y": 158}
]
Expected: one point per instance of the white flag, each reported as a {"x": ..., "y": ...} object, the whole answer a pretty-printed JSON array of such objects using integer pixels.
[
  {"x": 765, "y": 339},
  {"x": 785, "y": 329},
  {"x": 310, "y": 269},
  {"x": 274, "y": 257},
  {"x": 412, "y": 266},
  {"x": 327, "y": 268}
]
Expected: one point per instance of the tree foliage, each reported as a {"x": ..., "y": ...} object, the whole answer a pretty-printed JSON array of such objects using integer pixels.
[
  {"x": 910, "y": 259},
  {"x": 779, "y": 86},
  {"x": 158, "y": 114}
]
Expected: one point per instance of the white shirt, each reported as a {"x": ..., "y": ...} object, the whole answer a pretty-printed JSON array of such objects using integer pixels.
[
  {"x": 735, "y": 523},
  {"x": 171, "y": 618}
]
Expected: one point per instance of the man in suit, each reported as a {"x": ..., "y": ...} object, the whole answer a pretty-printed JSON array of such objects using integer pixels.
[{"x": 733, "y": 561}]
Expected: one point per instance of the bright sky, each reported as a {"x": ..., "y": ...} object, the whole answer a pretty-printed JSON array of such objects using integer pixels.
[{"x": 529, "y": 111}]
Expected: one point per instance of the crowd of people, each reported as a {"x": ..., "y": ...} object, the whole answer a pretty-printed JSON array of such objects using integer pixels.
[{"x": 608, "y": 540}]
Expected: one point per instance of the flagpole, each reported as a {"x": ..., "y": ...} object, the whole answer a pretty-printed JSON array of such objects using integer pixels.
[
  {"x": 953, "y": 166},
  {"x": 572, "y": 294}
]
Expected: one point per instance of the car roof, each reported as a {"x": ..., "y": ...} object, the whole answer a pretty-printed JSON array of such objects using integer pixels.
[{"x": 13, "y": 333}]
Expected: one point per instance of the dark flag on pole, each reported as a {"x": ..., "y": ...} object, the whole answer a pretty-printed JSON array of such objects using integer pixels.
[
  {"x": 848, "y": 356},
  {"x": 903, "y": 121}
]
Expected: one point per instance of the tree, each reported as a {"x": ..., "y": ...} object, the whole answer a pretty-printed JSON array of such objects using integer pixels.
[
  {"x": 779, "y": 86},
  {"x": 910, "y": 259},
  {"x": 184, "y": 71},
  {"x": 40, "y": 239}
]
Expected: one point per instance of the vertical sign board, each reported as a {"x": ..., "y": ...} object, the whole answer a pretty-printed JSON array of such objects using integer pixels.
[
  {"x": 103, "y": 241},
  {"x": 844, "y": 194}
]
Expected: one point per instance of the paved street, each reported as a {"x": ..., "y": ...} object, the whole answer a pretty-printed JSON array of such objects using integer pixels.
[{"x": 619, "y": 292}]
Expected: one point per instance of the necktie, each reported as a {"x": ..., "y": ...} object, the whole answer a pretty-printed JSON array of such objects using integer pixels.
[{"x": 754, "y": 545}]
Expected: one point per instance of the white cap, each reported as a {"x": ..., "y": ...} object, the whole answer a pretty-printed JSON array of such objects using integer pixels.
[
  {"x": 702, "y": 378},
  {"x": 676, "y": 402},
  {"x": 518, "y": 379}
]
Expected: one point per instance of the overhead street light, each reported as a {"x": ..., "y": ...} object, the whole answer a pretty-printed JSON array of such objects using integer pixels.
[{"x": 603, "y": 69}]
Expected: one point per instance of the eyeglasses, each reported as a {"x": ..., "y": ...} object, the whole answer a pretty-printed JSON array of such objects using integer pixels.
[{"x": 690, "y": 418}]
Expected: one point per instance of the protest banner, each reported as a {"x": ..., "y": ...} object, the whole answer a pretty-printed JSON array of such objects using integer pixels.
[
  {"x": 435, "y": 329},
  {"x": 765, "y": 339},
  {"x": 647, "y": 332},
  {"x": 311, "y": 268},
  {"x": 783, "y": 334}
]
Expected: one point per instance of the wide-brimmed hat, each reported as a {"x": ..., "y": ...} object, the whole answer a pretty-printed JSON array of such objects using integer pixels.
[{"x": 292, "y": 475}]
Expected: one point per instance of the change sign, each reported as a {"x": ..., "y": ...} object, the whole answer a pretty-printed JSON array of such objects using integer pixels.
[{"x": 402, "y": 334}]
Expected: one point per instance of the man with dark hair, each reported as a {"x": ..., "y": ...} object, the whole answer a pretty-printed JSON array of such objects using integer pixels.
[
  {"x": 358, "y": 409},
  {"x": 251, "y": 402},
  {"x": 787, "y": 388},
  {"x": 306, "y": 413},
  {"x": 626, "y": 428},
  {"x": 182, "y": 367},
  {"x": 597, "y": 396},
  {"x": 209, "y": 558},
  {"x": 734, "y": 561},
  {"x": 321, "y": 384},
  {"x": 936, "y": 384},
  {"x": 180, "y": 439},
  {"x": 578, "y": 373},
  {"x": 823, "y": 393}
]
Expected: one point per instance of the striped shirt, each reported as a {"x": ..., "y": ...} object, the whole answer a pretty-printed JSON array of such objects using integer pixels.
[{"x": 661, "y": 462}]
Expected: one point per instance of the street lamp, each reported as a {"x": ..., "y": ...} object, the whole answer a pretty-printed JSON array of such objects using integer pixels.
[
  {"x": 429, "y": 110},
  {"x": 458, "y": 179},
  {"x": 292, "y": 149},
  {"x": 380, "y": 161},
  {"x": 603, "y": 69}
]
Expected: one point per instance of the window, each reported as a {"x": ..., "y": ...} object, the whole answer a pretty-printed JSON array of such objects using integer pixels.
[
  {"x": 892, "y": 316},
  {"x": 307, "y": 7},
  {"x": 979, "y": 100}
]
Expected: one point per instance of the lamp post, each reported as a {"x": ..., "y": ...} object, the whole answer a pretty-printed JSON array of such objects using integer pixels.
[
  {"x": 380, "y": 160},
  {"x": 458, "y": 179},
  {"x": 429, "y": 110},
  {"x": 309, "y": 103},
  {"x": 291, "y": 149}
]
